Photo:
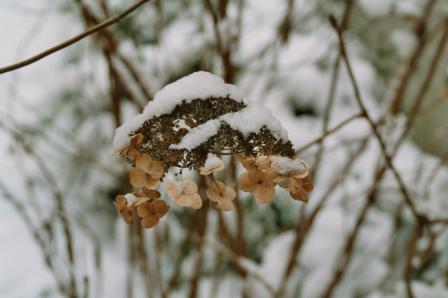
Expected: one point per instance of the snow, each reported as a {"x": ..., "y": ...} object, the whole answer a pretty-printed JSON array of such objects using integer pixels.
[
  {"x": 212, "y": 161},
  {"x": 198, "y": 85},
  {"x": 287, "y": 165},
  {"x": 249, "y": 120}
]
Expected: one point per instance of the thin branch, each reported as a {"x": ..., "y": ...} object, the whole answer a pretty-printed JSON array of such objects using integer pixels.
[
  {"x": 328, "y": 132},
  {"x": 69, "y": 42},
  {"x": 374, "y": 126}
]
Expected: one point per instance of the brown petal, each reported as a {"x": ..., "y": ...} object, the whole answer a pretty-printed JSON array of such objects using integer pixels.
[
  {"x": 137, "y": 139},
  {"x": 137, "y": 178},
  {"x": 149, "y": 221},
  {"x": 160, "y": 208},
  {"x": 156, "y": 169},
  {"x": 120, "y": 201},
  {"x": 143, "y": 162},
  {"x": 151, "y": 193},
  {"x": 245, "y": 183},
  {"x": 307, "y": 183},
  {"x": 151, "y": 182},
  {"x": 300, "y": 195},
  {"x": 142, "y": 210},
  {"x": 127, "y": 216}
]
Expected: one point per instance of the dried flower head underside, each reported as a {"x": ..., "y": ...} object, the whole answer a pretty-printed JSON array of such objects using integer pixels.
[{"x": 191, "y": 133}]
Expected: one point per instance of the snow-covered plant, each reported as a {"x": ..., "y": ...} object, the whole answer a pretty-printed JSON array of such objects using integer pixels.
[{"x": 188, "y": 125}]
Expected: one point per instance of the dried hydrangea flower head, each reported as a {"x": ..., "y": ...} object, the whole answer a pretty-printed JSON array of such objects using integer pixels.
[{"x": 188, "y": 125}]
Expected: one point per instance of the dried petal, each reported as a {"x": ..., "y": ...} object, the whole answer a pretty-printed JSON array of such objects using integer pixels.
[
  {"x": 189, "y": 187},
  {"x": 160, "y": 208},
  {"x": 149, "y": 221},
  {"x": 264, "y": 194},
  {"x": 225, "y": 205},
  {"x": 245, "y": 183}
]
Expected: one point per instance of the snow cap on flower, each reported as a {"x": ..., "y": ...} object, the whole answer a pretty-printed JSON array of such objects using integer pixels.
[{"x": 212, "y": 164}]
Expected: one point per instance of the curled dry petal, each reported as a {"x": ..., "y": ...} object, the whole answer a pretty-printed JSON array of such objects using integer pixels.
[
  {"x": 307, "y": 183},
  {"x": 207, "y": 170}
]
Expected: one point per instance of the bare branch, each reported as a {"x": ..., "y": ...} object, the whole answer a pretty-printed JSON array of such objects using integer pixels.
[{"x": 69, "y": 42}]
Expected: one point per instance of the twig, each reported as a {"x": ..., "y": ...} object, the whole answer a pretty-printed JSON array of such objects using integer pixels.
[
  {"x": 374, "y": 126},
  {"x": 328, "y": 132},
  {"x": 68, "y": 42}
]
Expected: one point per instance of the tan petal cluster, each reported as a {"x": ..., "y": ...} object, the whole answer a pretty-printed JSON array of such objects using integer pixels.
[
  {"x": 215, "y": 165},
  {"x": 147, "y": 204},
  {"x": 259, "y": 183},
  {"x": 184, "y": 193},
  {"x": 221, "y": 194},
  {"x": 150, "y": 212},
  {"x": 263, "y": 174},
  {"x": 147, "y": 172}
]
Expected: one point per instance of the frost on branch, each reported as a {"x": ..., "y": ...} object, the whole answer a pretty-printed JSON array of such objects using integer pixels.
[{"x": 187, "y": 126}]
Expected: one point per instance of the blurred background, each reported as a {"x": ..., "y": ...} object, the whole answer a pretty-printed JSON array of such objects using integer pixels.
[{"x": 369, "y": 229}]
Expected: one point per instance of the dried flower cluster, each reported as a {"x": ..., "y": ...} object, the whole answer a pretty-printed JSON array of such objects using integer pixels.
[{"x": 191, "y": 136}]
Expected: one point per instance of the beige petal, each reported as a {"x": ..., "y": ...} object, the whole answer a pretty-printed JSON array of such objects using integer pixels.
[
  {"x": 264, "y": 194},
  {"x": 230, "y": 193},
  {"x": 225, "y": 205},
  {"x": 213, "y": 194},
  {"x": 245, "y": 183},
  {"x": 189, "y": 187},
  {"x": 256, "y": 176},
  {"x": 172, "y": 189},
  {"x": 196, "y": 201},
  {"x": 183, "y": 200}
]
